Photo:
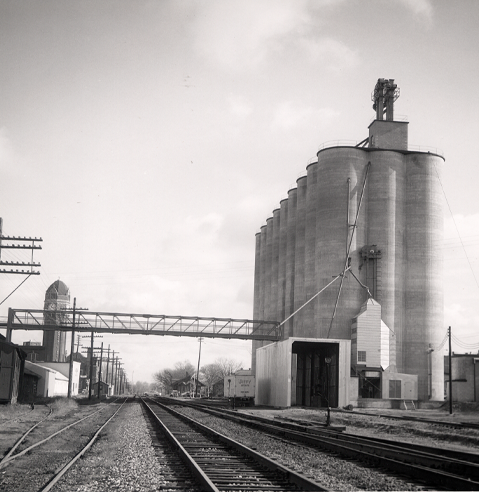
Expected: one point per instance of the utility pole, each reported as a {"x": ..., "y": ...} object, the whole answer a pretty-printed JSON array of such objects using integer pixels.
[
  {"x": 99, "y": 376},
  {"x": 198, "y": 370},
  {"x": 107, "y": 364},
  {"x": 91, "y": 367},
  {"x": 117, "y": 378},
  {"x": 450, "y": 371},
  {"x": 22, "y": 246},
  {"x": 72, "y": 348}
]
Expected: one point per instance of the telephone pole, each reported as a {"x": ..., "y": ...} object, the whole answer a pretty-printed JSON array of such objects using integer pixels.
[
  {"x": 25, "y": 243},
  {"x": 198, "y": 370},
  {"x": 72, "y": 348},
  {"x": 450, "y": 371}
]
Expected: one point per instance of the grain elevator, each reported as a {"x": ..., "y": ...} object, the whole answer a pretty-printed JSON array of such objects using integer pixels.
[{"x": 360, "y": 238}]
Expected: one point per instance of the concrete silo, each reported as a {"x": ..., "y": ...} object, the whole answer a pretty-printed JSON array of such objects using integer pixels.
[{"x": 371, "y": 216}]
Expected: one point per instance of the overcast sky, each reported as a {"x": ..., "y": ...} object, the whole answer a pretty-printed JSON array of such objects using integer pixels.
[{"x": 146, "y": 142}]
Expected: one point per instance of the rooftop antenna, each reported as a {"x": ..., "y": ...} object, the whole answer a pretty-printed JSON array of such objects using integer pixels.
[{"x": 384, "y": 95}]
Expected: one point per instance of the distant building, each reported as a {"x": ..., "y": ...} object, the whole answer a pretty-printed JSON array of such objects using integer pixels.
[
  {"x": 57, "y": 299},
  {"x": 53, "y": 378},
  {"x": 35, "y": 351}
]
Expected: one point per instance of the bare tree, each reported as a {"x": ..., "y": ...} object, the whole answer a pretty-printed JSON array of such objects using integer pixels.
[
  {"x": 166, "y": 377},
  {"x": 211, "y": 374},
  {"x": 227, "y": 366},
  {"x": 218, "y": 370}
]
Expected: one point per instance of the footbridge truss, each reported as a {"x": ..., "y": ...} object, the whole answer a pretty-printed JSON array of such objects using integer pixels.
[{"x": 141, "y": 324}]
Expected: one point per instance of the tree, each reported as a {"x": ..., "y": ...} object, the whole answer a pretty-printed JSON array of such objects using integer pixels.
[
  {"x": 218, "y": 370},
  {"x": 166, "y": 377},
  {"x": 227, "y": 366}
]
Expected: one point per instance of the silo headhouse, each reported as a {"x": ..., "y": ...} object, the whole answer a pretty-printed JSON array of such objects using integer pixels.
[{"x": 360, "y": 238}]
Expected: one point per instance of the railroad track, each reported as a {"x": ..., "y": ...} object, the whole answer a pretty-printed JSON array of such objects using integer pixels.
[
  {"x": 219, "y": 463},
  {"x": 441, "y": 467},
  {"x": 33, "y": 460},
  {"x": 412, "y": 418}
]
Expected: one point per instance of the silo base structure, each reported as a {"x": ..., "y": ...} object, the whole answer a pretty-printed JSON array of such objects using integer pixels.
[
  {"x": 362, "y": 242},
  {"x": 303, "y": 371}
]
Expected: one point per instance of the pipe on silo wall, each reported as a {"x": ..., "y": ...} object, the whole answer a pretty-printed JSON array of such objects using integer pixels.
[
  {"x": 335, "y": 167},
  {"x": 290, "y": 261},
  {"x": 387, "y": 229},
  {"x": 424, "y": 273},
  {"x": 299, "y": 293},
  {"x": 310, "y": 328},
  {"x": 283, "y": 237}
]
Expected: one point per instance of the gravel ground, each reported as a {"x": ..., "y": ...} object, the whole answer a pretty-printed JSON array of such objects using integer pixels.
[
  {"x": 123, "y": 459},
  {"x": 30, "y": 472},
  {"x": 332, "y": 472},
  {"x": 126, "y": 457},
  {"x": 372, "y": 425}
]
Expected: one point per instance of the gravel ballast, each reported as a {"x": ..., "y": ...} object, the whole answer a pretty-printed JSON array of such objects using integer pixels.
[
  {"x": 328, "y": 470},
  {"x": 122, "y": 460}
]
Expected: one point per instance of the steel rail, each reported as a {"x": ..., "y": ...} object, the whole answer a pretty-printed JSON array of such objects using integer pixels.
[
  {"x": 444, "y": 423},
  {"x": 6, "y": 460},
  {"x": 191, "y": 464},
  {"x": 22, "y": 438},
  {"x": 90, "y": 443},
  {"x": 291, "y": 476},
  {"x": 418, "y": 464}
]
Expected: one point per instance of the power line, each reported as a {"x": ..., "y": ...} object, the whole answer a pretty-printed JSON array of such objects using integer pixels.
[{"x": 455, "y": 225}]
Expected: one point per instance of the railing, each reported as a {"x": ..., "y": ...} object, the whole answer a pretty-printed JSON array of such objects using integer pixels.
[
  {"x": 145, "y": 324},
  {"x": 425, "y": 149},
  {"x": 354, "y": 143},
  {"x": 338, "y": 143}
]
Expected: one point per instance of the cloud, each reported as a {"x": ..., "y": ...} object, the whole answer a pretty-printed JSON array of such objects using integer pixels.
[
  {"x": 461, "y": 276},
  {"x": 6, "y": 149},
  {"x": 290, "y": 115},
  {"x": 239, "y": 106},
  {"x": 240, "y": 35},
  {"x": 421, "y": 8},
  {"x": 333, "y": 55}
]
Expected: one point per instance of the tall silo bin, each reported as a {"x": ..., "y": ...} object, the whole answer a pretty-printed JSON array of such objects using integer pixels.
[
  {"x": 268, "y": 269},
  {"x": 309, "y": 325},
  {"x": 290, "y": 261},
  {"x": 283, "y": 243},
  {"x": 424, "y": 275},
  {"x": 257, "y": 288},
  {"x": 341, "y": 170},
  {"x": 257, "y": 277},
  {"x": 299, "y": 293},
  {"x": 262, "y": 288},
  {"x": 386, "y": 230},
  {"x": 275, "y": 266}
]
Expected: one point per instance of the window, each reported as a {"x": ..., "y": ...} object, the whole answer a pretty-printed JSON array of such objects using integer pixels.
[
  {"x": 394, "y": 388},
  {"x": 361, "y": 356}
]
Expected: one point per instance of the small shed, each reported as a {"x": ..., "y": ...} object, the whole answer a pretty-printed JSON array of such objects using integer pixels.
[
  {"x": 11, "y": 370},
  {"x": 104, "y": 388},
  {"x": 218, "y": 388}
]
